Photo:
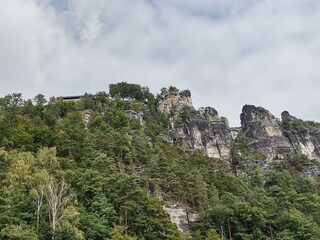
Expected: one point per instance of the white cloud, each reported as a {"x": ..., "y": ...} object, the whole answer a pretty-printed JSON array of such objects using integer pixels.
[{"x": 227, "y": 52}]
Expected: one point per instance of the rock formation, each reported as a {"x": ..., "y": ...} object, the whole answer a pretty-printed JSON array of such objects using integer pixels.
[
  {"x": 184, "y": 217},
  {"x": 202, "y": 129},
  {"x": 173, "y": 101},
  {"x": 304, "y": 137},
  {"x": 205, "y": 130},
  {"x": 264, "y": 132},
  {"x": 137, "y": 115},
  {"x": 279, "y": 139}
]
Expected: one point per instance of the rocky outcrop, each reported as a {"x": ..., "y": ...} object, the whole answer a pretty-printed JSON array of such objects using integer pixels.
[
  {"x": 203, "y": 130},
  {"x": 264, "y": 132},
  {"x": 311, "y": 170},
  {"x": 304, "y": 137},
  {"x": 184, "y": 217},
  {"x": 279, "y": 139},
  {"x": 137, "y": 115},
  {"x": 86, "y": 117},
  {"x": 172, "y": 101}
]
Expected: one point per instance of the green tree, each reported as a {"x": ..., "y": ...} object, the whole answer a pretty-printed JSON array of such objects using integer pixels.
[
  {"x": 40, "y": 99},
  {"x": 21, "y": 232},
  {"x": 213, "y": 235},
  {"x": 126, "y": 90},
  {"x": 293, "y": 223}
]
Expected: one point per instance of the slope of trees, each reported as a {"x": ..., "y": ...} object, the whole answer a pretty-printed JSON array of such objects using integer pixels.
[{"x": 65, "y": 176}]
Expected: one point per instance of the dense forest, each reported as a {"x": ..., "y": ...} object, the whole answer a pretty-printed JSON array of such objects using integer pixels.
[{"x": 87, "y": 169}]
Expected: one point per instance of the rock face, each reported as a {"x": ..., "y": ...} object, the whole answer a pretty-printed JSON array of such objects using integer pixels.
[
  {"x": 207, "y": 132},
  {"x": 264, "y": 132},
  {"x": 276, "y": 139},
  {"x": 203, "y": 129},
  {"x": 174, "y": 100},
  {"x": 182, "y": 216},
  {"x": 137, "y": 115},
  {"x": 86, "y": 117},
  {"x": 304, "y": 139}
]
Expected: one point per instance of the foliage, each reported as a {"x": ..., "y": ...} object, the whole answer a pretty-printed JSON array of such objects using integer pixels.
[
  {"x": 184, "y": 113},
  {"x": 290, "y": 122},
  {"x": 105, "y": 171},
  {"x": 128, "y": 90},
  {"x": 240, "y": 153}
]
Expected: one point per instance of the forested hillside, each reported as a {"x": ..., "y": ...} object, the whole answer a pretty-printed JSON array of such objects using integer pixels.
[{"x": 104, "y": 166}]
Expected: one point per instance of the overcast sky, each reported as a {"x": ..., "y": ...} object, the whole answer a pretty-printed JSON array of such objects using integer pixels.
[{"x": 227, "y": 52}]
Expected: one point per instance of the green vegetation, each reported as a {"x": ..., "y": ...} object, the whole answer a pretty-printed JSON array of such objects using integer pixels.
[
  {"x": 290, "y": 122},
  {"x": 64, "y": 175},
  {"x": 184, "y": 113},
  {"x": 240, "y": 153}
]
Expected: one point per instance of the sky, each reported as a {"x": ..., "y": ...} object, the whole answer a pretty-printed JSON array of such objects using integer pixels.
[{"x": 228, "y": 53}]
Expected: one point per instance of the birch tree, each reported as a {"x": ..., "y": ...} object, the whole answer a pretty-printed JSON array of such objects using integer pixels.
[
  {"x": 37, "y": 193},
  {"x": 58, "y": 198}
]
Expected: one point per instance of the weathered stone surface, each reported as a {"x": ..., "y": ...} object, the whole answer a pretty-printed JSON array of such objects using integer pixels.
[
  {"x": 304, "y": 139},
  {"x": 235, "y": 131},
  {"x": 165, "y": 138},
  {"x": 203, "y": 129},
  {"x": 207, "y": 132},
  {"x": 173, "y": 101},
  {"x": 276, "y": 139},
  {"x": 265, "y": 133},
  {"x": 137, "y": 115},
  {"x": 182, "y": 216},
  {"x": 86, "y": 117},
  {"x": 311, "y": 170}
]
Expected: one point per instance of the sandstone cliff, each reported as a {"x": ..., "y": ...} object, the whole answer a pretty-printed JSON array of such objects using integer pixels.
[
  {"x": 203, "y": 129},
  {"x": 173, "y": 100},
  {"x": 303, "y": 136},
  {"x": 280, "y": 139},
  {"x": 264, "y": 132}
]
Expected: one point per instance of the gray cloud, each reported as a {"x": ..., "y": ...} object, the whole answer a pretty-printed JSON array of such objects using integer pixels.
[{"x": 227, "y": 52}]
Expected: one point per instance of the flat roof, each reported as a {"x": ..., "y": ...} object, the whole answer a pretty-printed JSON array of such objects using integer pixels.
[{"x": 71, "y": 97}]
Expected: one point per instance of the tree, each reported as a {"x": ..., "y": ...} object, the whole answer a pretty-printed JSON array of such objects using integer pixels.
[
  {"x": 126, "y": 90},
  {"x": 118, "y": 233},
  {"x": 213, "y": 235},
  {"x": 38, "y": 193},
  {"x": 58, "y": 198},
  {"x": 47, "y": 158},
  {"x": 87, "y": 101},
  {"x": 293, "y": 223},
  {"x": 21, "y": 232},
  {"x": 14, "y": 100},
  {"x": 40, "y": 100}
]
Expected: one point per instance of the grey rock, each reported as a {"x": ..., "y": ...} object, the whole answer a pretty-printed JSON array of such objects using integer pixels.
[
  {"x": 86, "y": 117},
  {"x": 182, "y": 216},
  {"x": 211, "y": 114},
  {"x": 136, "y": 115},
  {"x": 165, "y": 138},
  {"x": 207, "y": 132},
  {"x": 173, "y": 101},
  {"x": 265, "y": 133},
  {"x": 304, "y": 139},
  {"x": 235, "y": 131},
  {"x": 202, "y": 130},
  {"x": 311, "y": 170},
  {"x": 279, "y": 139}
]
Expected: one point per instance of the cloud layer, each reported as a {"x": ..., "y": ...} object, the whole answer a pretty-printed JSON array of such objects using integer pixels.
[{"x": 227, "y": 52}]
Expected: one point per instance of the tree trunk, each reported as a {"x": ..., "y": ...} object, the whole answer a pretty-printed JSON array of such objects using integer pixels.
[{"x": 229, "y": 229}]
